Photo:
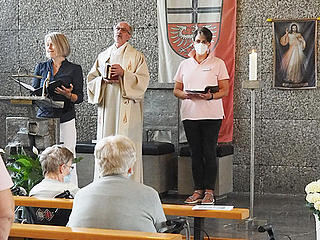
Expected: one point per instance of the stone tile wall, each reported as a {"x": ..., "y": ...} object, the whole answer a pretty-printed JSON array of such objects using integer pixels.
[{"x": 287, "y": 122}]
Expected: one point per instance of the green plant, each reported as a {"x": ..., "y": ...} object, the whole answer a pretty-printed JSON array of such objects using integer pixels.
[{"x": 25, "y": 171}]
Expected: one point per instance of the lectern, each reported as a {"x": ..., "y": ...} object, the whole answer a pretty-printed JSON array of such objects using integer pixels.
[{"x": 31, "y": 131}]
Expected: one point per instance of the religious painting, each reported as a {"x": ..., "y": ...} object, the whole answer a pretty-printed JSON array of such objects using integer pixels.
[{"x": 295, "y": 44}]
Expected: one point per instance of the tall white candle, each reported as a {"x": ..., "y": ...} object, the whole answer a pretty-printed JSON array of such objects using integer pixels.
[{"x": 253, "y": 65}]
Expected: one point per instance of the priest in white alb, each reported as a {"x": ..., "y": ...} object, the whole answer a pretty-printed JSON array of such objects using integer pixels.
[{"x": 118, "y": 90}]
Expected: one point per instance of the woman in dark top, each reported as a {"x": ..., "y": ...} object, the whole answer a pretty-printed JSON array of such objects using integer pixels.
[{"x": 70, "y": 92}]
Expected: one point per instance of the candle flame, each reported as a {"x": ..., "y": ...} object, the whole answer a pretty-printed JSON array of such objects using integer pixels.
[{"x": 253, "y": 50}]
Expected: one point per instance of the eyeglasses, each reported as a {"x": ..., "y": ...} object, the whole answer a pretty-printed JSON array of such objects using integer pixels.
[
  {"x": 71, "y": 167},
  {"x": 121, "y": 29}
]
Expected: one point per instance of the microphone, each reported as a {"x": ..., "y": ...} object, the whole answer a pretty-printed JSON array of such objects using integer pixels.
[
  {"x": 267, "y": 228},
  {"x": 46, "y": 84}
]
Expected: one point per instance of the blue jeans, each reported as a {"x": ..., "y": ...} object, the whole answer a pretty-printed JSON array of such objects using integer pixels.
[{"x": 202, "y": 136}]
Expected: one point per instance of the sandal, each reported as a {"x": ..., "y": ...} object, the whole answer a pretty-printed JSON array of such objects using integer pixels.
[
  {"x": 195, "y": 197},
  {"x": 208, "y": 198}
]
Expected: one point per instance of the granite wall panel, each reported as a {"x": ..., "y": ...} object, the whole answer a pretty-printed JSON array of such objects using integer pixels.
[
  {"x": 290, "y": 142},
  {"x": 287, "y": 122},
  {"x": 286, "y": 179},
  {"x": 266, "y": 53},
  {"x": 292, "y": 9},
  {"x": 254, "y": 13},
  {"x": 289, "y": 104},
  {"x": 248, "y": 38},
  {"x": 242, "y": 98},
  {"x": 46, "y": 15},
  {"x": 9, "y": 14},
  {"x": 145, "y": 14},
  {"x": 87, "y": 44},
  {"x": 242, "y": 141},
  {"x": 10, "y": 56}
]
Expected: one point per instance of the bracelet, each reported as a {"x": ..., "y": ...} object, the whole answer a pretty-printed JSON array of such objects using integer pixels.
[{"x": 211, "y": 97}]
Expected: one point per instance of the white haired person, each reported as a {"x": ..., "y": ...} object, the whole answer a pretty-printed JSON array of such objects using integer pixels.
[
  {"x": 58, "y": 68},
  {"x": 56, "y": 164},
  {"x": 115, "y": 201}
]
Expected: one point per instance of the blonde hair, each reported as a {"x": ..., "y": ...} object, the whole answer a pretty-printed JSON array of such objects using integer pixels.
[
  {"x": 52, "y": 157},
  {"x": 60, "y": 43},
  {"x": 115, "y": 155}
]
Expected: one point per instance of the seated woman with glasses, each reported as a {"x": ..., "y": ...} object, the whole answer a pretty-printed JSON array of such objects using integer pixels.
[{"x": 56, "y": 164}]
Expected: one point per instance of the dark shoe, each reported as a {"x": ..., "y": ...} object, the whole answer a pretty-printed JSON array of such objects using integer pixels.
[
  {"x": 208, "y": 198},
  {"x": 196, "y": 197}
]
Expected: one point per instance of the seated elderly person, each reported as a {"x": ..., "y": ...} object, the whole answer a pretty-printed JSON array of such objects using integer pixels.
[
  {"x": 56, "y": 164},
  {"x": 114, "y": 201}
]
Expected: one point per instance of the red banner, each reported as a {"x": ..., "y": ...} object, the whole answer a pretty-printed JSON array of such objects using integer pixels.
[
  {"x": 225, "y": 50},
  {"x": 178, "y": 19}
]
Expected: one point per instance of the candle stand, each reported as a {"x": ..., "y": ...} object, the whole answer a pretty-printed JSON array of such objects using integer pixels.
[{"x": 252, "y": 222}]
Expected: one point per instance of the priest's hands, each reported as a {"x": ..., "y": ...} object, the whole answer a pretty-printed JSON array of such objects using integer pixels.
[{"x": 116, "y": 70}]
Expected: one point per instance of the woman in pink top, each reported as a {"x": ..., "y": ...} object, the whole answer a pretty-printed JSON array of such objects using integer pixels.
[{"x": 202, "y": 113}]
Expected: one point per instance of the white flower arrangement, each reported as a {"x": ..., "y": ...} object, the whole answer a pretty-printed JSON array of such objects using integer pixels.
[{"x": 313, "y": 197}]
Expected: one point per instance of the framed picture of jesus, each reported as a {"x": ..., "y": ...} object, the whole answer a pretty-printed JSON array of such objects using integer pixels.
[{"x": 295, "y": 53}]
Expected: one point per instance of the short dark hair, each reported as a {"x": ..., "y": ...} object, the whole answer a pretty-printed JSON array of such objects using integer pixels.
[{"x": 205, "y": 31}]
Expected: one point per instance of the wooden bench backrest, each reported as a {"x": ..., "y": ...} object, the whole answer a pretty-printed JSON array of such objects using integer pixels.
[
  {"x": 66, "y": 233},
  {"x": 169, "y": 209}
]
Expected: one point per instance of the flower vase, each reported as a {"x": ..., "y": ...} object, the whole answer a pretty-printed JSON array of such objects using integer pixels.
[{"x": 317, "y": 226}]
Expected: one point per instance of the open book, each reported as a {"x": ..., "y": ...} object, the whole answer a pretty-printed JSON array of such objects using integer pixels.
[
  {"x": 38, "y": 91},
  {"x": 212, "y": 89}
]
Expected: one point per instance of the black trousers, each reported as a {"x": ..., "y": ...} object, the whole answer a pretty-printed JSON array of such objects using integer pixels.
[{"x": 202, "y": 136}]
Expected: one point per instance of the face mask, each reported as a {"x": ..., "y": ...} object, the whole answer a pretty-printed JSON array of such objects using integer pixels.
[
  {"x": 67, "y": 178},
  {"x": 200, "y": 48}
]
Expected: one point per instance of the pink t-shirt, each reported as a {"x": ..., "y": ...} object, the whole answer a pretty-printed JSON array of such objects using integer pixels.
[
  {"x": 5, "y": 179},
  {"x": 195, "y": 76}
]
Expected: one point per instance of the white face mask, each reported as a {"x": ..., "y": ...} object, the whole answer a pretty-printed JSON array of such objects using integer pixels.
[{"x": 200, "y": 48}]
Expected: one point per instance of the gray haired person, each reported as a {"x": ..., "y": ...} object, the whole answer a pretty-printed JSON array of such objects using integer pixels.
[
  {"x": 56, "y": 164},
  {"x": 114, "y": 201}
]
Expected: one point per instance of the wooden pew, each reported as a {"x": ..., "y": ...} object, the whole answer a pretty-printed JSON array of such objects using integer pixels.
[
  {"x": 57, "y": 232},
  {"x": 169, "y": 209}
]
